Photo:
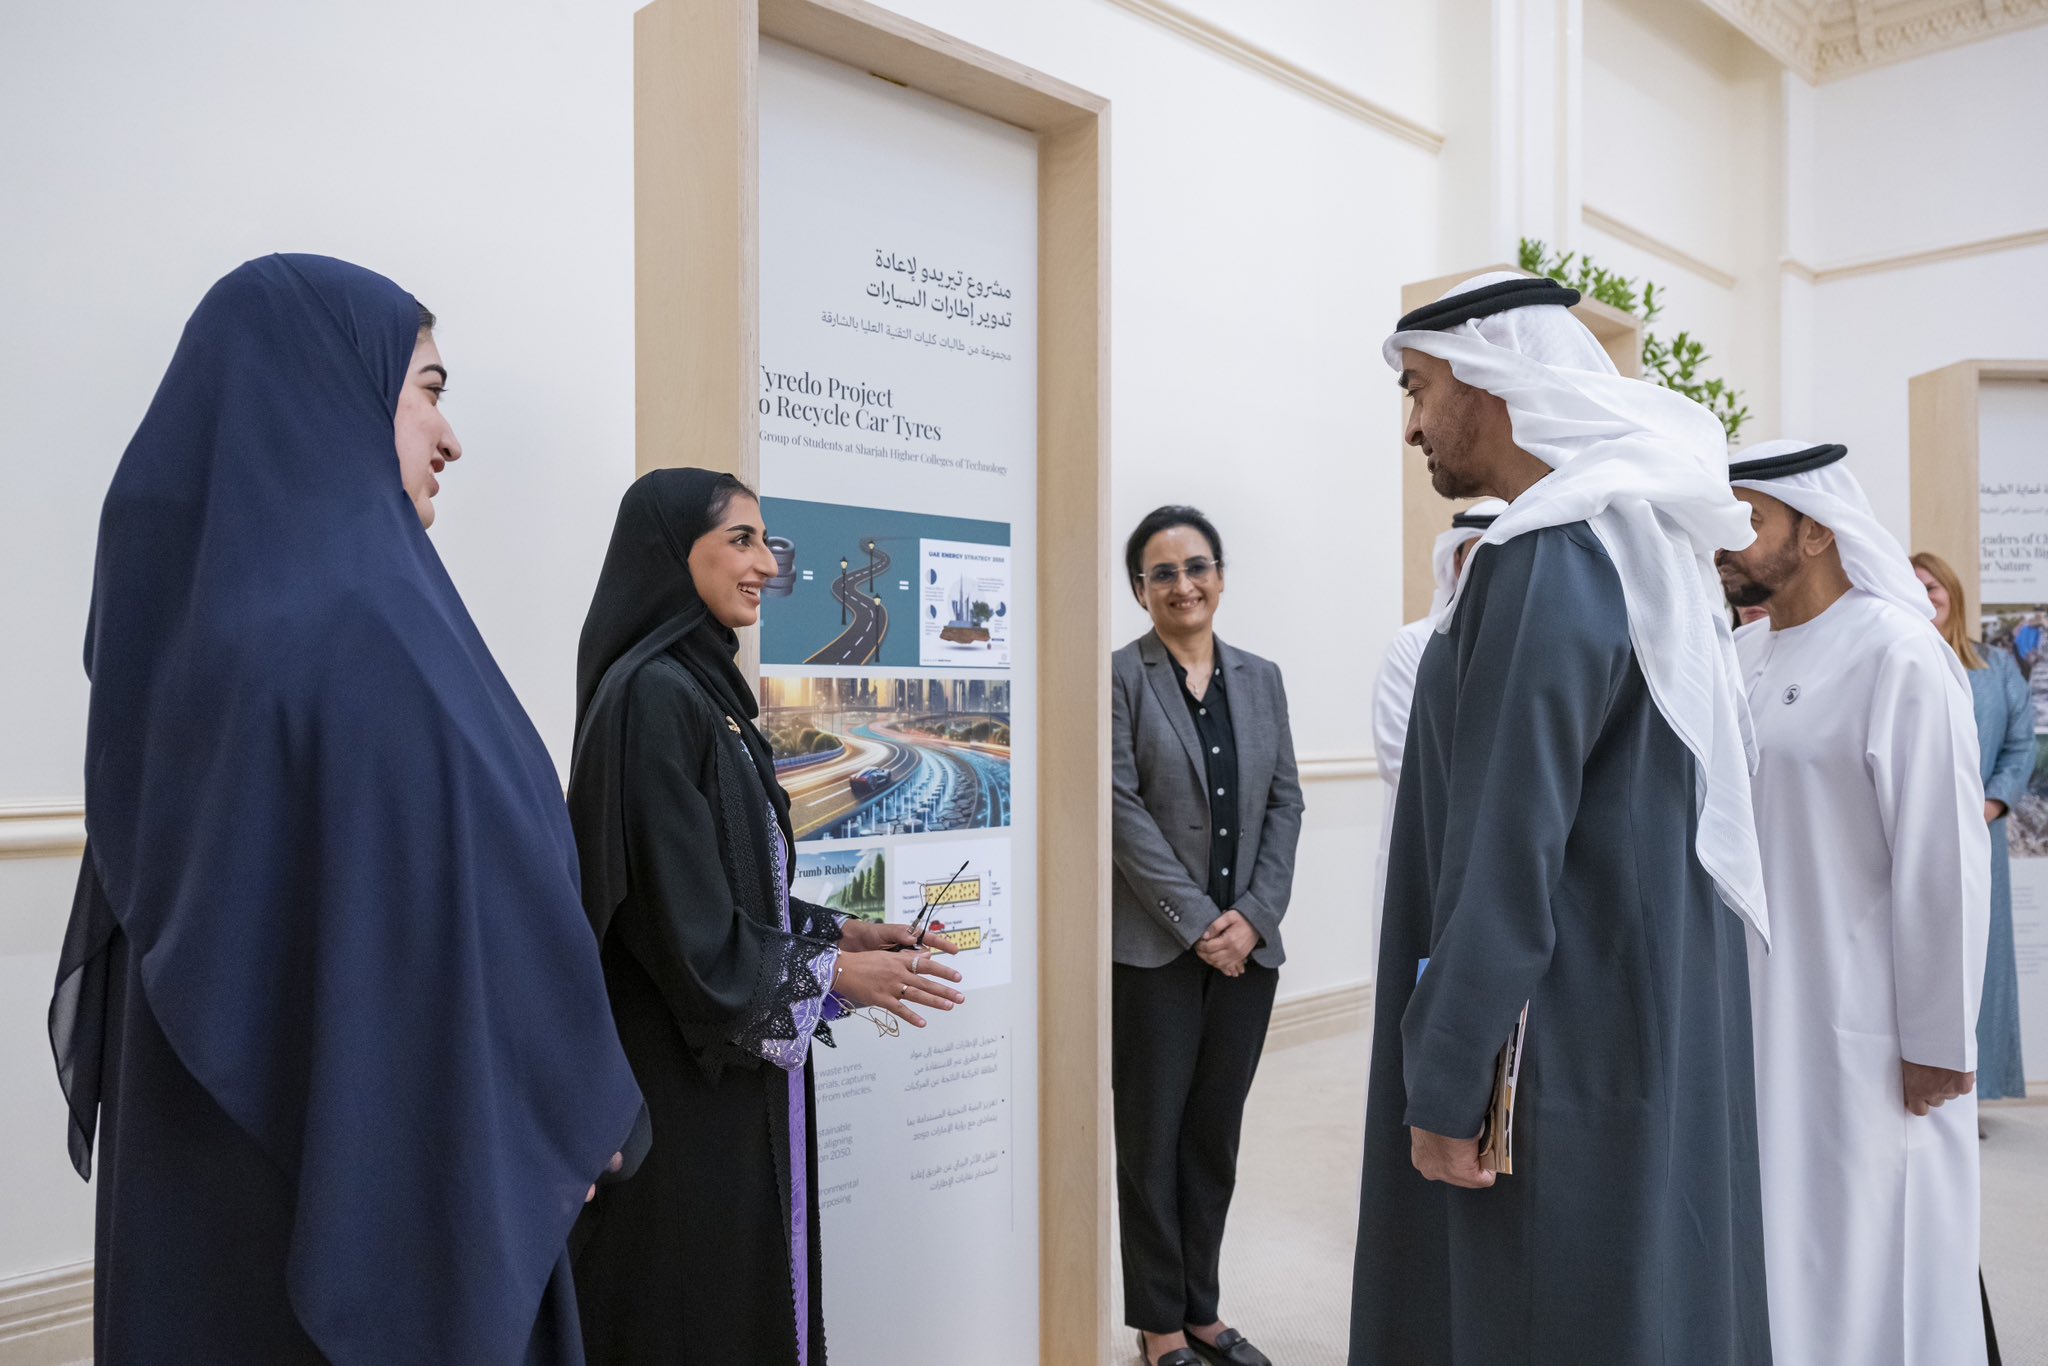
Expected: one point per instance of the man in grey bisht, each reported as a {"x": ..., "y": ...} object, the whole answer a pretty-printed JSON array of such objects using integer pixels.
[{"x": 1573, "y": 832}]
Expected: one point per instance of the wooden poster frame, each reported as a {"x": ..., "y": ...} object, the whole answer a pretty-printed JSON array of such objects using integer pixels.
[
  {"x": 697, "y": 335},
  {"x": 1424, "y": 513},
  {"x": 1943, "y": 431}
]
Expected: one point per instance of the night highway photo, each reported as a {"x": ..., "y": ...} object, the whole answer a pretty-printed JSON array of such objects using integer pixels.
[{"x": 864, "y": 756}]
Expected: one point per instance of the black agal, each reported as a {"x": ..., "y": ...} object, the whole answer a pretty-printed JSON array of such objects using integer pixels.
[
  {"x": 1790, "y": 463},
  {"x": 1486, "y": 301}
]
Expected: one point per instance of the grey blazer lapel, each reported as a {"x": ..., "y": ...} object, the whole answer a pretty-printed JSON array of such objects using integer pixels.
[{"x": 1166, "y": 691}]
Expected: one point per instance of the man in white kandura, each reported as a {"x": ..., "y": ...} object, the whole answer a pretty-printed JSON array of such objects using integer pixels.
[
  {"x": 1393, "y": 692},
  {"x": 1870, "y": 814}
]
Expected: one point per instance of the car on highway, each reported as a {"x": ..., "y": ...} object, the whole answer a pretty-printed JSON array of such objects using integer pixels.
[{"x": 870, "y": 782}]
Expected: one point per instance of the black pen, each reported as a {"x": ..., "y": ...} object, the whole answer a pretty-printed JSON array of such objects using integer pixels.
[{"x": 924, "y": 915}]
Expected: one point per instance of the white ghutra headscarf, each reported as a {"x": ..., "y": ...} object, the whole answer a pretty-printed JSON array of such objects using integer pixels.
[
  {"x": 1467, "y": 527},
  {"x": 1646, "y": 469},
  {"x": 1812, "y": 479}
]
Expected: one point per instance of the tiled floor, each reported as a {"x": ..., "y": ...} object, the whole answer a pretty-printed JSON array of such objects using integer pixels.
[{"x": 1287, "y": 1261}]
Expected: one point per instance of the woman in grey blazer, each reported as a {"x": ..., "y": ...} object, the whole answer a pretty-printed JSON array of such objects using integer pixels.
[{"x": 1207, "y": 810}]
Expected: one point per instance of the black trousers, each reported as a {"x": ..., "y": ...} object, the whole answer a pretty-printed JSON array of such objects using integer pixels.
[{"x": 1185, "y": 1044}]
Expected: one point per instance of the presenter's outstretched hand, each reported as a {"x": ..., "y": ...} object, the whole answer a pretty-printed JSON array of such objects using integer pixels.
[
  {"x": 1928, "y": 1087},
  {"x": 1453, "y": 1161},
  {"x": 1227, "y": 943},
  {"x": 896, "y": 982}
]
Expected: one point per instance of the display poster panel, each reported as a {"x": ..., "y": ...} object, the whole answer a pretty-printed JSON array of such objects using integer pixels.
[
  {"x": 898, "y": 401},
  {"x": 2012, "y": 473}
]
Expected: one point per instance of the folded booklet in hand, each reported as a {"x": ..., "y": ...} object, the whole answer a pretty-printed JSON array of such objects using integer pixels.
[
  {"x": 1497, "y": 1129},
  {"x": 1497, "y": 1134}
]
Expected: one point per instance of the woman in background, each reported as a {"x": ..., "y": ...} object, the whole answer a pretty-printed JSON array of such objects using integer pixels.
[
  {"x": 1206, "y": 812},
  {"x": 2005, "y": 740},
  {"x": 327, "y": 993}
]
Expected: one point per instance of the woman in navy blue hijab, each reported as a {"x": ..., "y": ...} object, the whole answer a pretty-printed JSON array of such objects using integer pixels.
[{"x": 327, "y": 990}]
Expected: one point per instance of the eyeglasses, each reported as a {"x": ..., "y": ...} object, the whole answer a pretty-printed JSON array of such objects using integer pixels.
[{"x": 1198, "y": 570}]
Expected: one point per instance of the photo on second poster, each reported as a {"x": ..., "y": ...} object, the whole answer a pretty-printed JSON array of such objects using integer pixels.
[
  {"x": 874, "y": 586},
  {"x": 845, "y": 878},
  {"x": 862, "y": 757},
  {"x": 2022, "y": 629}
]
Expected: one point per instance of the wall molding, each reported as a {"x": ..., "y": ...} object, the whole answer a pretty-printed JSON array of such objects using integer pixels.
[
  {"x": 1656, "y": 246},
  {"x": 1877, "y": 265},
  {"x": 46, "y": 1317},
  {"x": 1274, "y": 67},
  {"x": 49, "y": 829},
  {"x": 1334, "y": 767},
  {"x": 56, "y": 828},
  {"x": 1320, "y": 1015}
]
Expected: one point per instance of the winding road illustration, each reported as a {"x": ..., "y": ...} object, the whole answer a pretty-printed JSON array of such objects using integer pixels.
[
  {"x": 891, "y": 782},
  {"x": 861, "y": 641}
]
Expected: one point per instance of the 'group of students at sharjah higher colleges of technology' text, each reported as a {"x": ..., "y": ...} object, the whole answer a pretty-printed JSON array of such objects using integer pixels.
[{"x": 388, "y": 1055}]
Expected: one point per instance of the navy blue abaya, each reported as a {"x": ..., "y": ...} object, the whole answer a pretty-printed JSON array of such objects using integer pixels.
[{"x": 328, "y": 995}]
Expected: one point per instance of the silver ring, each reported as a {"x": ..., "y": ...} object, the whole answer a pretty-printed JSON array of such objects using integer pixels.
[
  {"x": 903, "y": 991},
  {"x": 915, "y": 963}
]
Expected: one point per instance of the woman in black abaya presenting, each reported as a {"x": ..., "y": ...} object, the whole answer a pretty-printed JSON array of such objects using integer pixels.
[{"x": 718, "y": 978}]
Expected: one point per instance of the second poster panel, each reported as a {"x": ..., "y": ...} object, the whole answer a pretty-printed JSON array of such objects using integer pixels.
[{"x": 898, "y": 401}]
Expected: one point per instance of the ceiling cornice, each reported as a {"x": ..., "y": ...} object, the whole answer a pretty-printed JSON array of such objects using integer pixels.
[
  {"x": 1783, "y": 28},
  {"x": 1822, "y": 40}
]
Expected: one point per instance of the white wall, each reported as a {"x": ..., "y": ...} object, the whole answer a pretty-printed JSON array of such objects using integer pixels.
[
  {"x": 1377, "y": 49},
  {"x": 480, "y": 154},
  {"x": 1928, "y": 154},
  {"x": 1681, "y": 116},
  {"x": 1254, "y": 268},
  {"x": 1660, "y": 128},
  {"x": 45, "y": 1210}
]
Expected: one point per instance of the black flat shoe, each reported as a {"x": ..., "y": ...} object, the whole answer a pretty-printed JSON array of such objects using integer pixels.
[
  {"x": 1179, "y": 1356},
  {"x": 1232, "y": 1349}
]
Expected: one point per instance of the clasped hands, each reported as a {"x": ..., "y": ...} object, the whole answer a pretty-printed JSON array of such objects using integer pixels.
[
  {"x": 1227, "y": 943},
  {"x": 867, "y": 975}
]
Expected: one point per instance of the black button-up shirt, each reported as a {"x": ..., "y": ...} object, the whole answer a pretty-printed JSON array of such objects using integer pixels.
[{"x": 1211, "y": 715}]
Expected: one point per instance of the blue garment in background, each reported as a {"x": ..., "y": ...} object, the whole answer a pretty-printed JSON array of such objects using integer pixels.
[
  {"x": 2005, "y": 740},
  {"x": 2027, "y": 640},
  {"x": 328, "y": 992}
]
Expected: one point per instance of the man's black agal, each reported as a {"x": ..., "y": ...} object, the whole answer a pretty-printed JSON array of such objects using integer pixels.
[
  {"x": 1788, "y": 464},
  {"x": 1472, "y": 521},
  {"x": 1486, "y": 301}
]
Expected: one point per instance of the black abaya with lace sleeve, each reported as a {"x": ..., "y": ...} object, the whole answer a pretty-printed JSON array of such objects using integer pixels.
[
  {"x": 703, "y": 917},
  {"x": 716, "y": 1003}
]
